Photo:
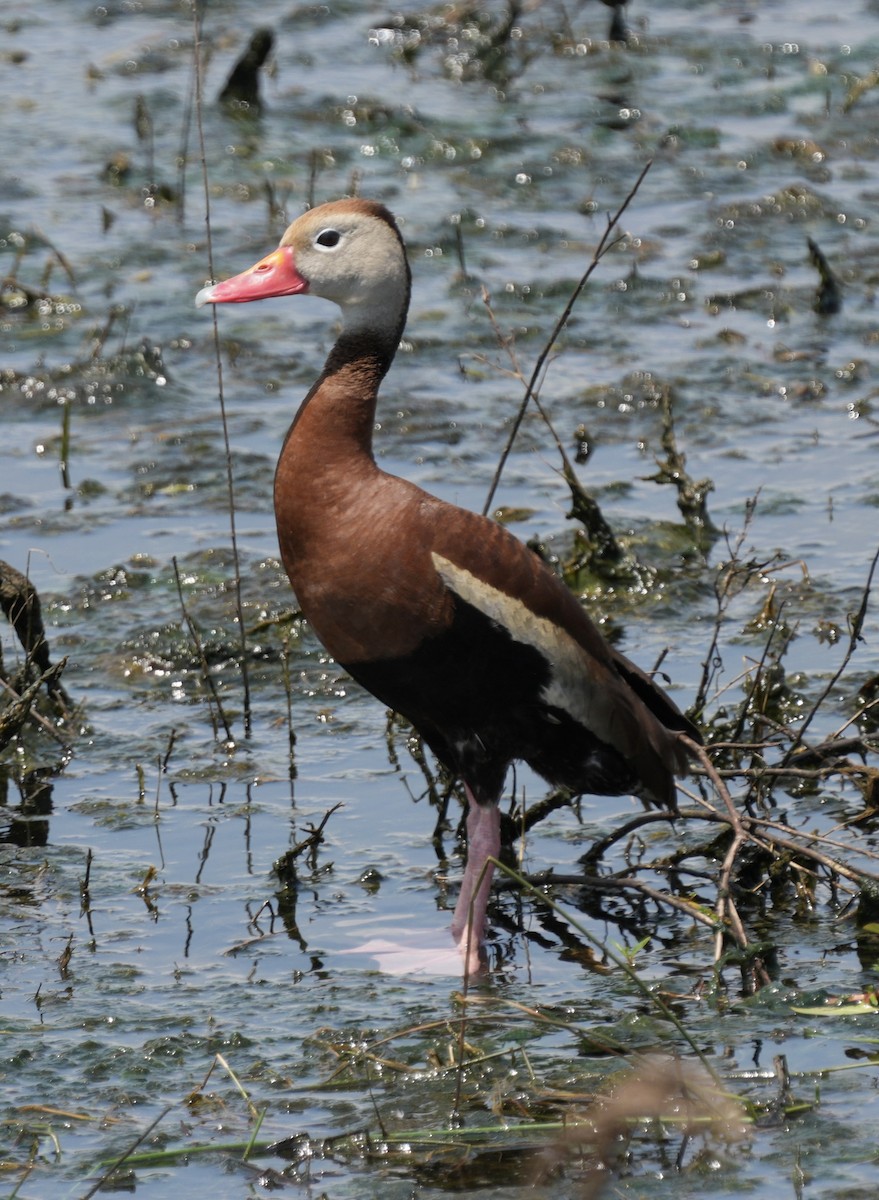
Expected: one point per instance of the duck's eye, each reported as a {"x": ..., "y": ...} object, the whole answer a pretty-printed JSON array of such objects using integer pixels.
[{"x": 328, "y": 238}]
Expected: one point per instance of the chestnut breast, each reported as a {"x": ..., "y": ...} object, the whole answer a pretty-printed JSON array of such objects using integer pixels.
[{"x": 376, "y": 564}]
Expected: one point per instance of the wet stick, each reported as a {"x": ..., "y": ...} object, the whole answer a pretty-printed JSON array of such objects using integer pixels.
[
  {"x": 64, "y": 455},
  {"x": 692, "y": 493},
  {"x": 163, "y": 762},
  {"x": 22, "y": 708},
  {"x": 288, "y": 695}
]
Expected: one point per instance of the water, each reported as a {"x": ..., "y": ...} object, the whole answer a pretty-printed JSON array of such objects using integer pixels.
[{"x": 191, "y": 947}]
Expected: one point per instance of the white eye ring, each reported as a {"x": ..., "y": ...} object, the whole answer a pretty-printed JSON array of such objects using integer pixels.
[{"x": 327, "y": 239}]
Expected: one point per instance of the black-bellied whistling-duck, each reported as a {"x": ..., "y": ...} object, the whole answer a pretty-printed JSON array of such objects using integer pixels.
[{"x": 442, "y": 614}]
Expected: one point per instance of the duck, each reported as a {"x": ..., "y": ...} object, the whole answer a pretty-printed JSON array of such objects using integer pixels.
[{"x": 441, "y": 613}]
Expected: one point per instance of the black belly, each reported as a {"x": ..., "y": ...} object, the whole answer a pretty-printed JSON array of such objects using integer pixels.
[{"x": 475, "y": 696}]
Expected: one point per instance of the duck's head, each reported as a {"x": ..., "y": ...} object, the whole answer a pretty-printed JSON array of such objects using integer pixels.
[{"x": 348, "y": 251}]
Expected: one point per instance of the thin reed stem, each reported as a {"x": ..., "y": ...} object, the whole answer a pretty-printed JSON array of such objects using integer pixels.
[
  {"x": 601, "y": 249},
  {"x": 205, "y": 669},
  {"x": 230, "y": 477}
]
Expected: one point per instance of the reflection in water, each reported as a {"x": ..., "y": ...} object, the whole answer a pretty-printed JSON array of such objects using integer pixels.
[
  {"x": 755, "y": 149},
  {"x": 26, "y": 822}
]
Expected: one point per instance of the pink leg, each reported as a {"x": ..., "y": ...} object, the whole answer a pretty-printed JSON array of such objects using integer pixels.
[{"x": 483, "y": 842}]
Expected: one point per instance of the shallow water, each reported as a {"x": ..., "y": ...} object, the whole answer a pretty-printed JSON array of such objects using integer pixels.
[{"x": 741, "y": 108}]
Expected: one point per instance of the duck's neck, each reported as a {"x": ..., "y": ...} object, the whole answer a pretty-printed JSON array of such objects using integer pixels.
[
  {"x": 335, "y": 420},
  {"x": 338, "y": 413},
  {"x": 327, "y": 459}
]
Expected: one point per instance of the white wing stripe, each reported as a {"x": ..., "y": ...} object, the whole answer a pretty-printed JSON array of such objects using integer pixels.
[{"x": 571, "y": 686}]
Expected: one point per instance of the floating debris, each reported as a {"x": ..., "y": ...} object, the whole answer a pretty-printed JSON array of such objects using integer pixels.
[
  {"x": 618, "y": 31},
  {"x": 241, "y": 90},
  {"x": 828, "y": 297}
]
